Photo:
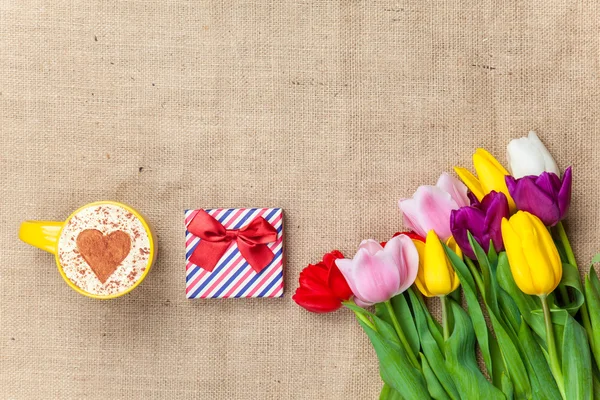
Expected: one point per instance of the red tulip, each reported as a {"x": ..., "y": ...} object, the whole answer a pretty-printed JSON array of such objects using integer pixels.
[
  {"x": 322, "y": 286},
  {"x": 412, "y": 235}
]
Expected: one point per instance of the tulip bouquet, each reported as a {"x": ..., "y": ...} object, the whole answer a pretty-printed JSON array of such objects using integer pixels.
[{"x": 492, "y": 252}]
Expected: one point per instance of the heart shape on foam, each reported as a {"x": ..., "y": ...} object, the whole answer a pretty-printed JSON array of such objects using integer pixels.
[{"x": 103, "y": 253}]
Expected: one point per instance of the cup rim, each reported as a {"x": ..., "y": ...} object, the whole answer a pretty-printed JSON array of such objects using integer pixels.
[{"x": 151, "y": 256}]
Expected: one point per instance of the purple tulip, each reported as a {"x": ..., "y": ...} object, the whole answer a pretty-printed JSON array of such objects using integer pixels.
[
  {"x": 483, "y": 220},
  {"x": 544, "y": 196}
]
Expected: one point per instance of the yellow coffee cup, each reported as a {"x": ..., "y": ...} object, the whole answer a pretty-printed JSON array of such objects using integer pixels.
[{"x": 106, "y": 264}]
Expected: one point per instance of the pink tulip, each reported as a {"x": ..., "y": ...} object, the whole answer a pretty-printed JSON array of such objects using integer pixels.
[
  {"x": 430, "y": 206},
  {"x": 377, "y": 273}
]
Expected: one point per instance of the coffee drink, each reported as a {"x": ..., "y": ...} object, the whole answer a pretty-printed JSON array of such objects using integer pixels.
[{"x": 104, "y": 249}]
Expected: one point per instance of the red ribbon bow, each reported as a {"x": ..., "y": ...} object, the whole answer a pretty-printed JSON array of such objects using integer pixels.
[{"x": 251, "y": 241}]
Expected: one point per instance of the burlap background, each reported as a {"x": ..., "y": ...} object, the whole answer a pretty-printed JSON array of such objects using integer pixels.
[{"x": 332, "y": 110}]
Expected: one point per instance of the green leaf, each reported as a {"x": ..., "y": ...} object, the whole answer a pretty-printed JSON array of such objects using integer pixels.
[
  {"x": 387, "y": 331},
  {"x": 571, "y": 280},
  {"x": 507, "y": 386},
  {"x": 543, "y": 385},
  {"x": 436, "y": 391},
  {"x": 481, "y": 330},
  {"x": 576, "y": 362},
  {"x": 358, "y": 309},
  {"x": 500, "y": 373},
  {"x": 509, "y": 310},
  {"x": 593, "y": 305},
  {"x": 387, "y": 393},
  {"x": 512, "y": 359},
  {"x": 405, "y": 319},
  {"x": 461, "y": 360},
  {"x": 561, "y": 250},
  {"x": 456, "y": 296},
  {"x": 596, "y": 259},
  {"x": 514, "y": 366},
  {"x": 594, "y": 279},
  {"x": 434, "y": 326},
  {"x": 489, "y": 294},
  {"x": 596, "y": 387},
  {"x": 431, "y": 348},
  {"x": 526, "y": 304},
  {"x": 492, "y": 255},
  {"x": 394, "y": 365},
  {"x": 506, "y": 336},
  {"x": 381, "y": 312}
]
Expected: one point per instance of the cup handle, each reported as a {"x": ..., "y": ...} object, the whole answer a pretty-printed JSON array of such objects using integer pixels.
[{"x": 41, "y": 234}]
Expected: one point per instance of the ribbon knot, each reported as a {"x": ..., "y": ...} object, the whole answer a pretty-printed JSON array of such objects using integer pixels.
[{"x": 215, "y": 240}]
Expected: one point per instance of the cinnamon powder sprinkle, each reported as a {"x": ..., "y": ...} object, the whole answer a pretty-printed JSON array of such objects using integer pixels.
[{"x": 106, "y": 219}]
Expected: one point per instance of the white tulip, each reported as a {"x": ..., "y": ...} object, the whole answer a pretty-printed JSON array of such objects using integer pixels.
[{"x": 528, "y": 156}]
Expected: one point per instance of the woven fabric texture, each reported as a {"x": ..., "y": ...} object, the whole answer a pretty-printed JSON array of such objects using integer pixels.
[{"x": 332, "y": 110}]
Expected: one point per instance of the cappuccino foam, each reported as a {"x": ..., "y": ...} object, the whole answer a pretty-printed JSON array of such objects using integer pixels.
[{"x": 106, "y": 218}]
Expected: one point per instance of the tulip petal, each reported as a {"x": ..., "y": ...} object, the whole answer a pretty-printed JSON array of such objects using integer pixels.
[
  {"x": 472, "y": 219},
  {"x": 547, "y": 182},
  {"x": 410, "y": 215},
  {"x": 436, "y": 274},
  {"x": 496, "y": 208},
  {"x": 465, "y": 220},
  {"x": 434, "y": 207},
  {"x": 547, "y": 246},
  {"x": 564, "y": 195},
  {"x": 337, "y": 284},
  {"x": 471, "y": 181},
  {"x": 524, "y": 158},
  {"x": 315, "y": 302},
  {"x": 487, "y": 162},
  {"x": 529, "y": 197},
  {"x": 371, "y": 246},
  {"x": 456, "y": 189},
  {"x": 453, "y": 245},
  {"x": 516, "y": 257},
  {"x": 314, "y": 278},
  {"x": 550, "y": 164},
  {"x": 411, "y": 235},
  {"x": 491, "y": 174},
  {"x": 536, "y": 254},
  {"x": 473, "y": 199},
  {"x": 346, "y": 267},
  {"x": 404, "y": 253},
  {"x": 420, "y": 279},
  {"x": 376, "y": 277},
  {"x": 329, "y": 258},
  {"x": 362, "y": 303}
]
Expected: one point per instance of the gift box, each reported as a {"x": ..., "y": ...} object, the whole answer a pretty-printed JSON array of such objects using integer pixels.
[{"x": 234, "y": 252}]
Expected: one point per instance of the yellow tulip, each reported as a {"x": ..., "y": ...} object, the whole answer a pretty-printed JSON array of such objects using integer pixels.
[
  {"x": 436, "y": 276},
  {"x": 534, "y": 261},
  {"x": 490, "y": 176}
]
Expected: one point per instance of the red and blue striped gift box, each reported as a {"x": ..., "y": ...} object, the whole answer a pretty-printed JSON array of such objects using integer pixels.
[{"x": 232, "y": 275}]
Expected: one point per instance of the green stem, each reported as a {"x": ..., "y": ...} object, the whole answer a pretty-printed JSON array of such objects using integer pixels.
[
  {"x": 444, "y": 301},
  {"x": 360, "y": 315},
  {"x": 562, "y": 234},
  {"x": 365, "y": 320},
  {"x": 564, "y": 295},
  {"x": 550, "y": 341},
  {"x": 585, "y": 316},
  {"x": 476, "y": 275},
  {"x": 411, "y": 354}
]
